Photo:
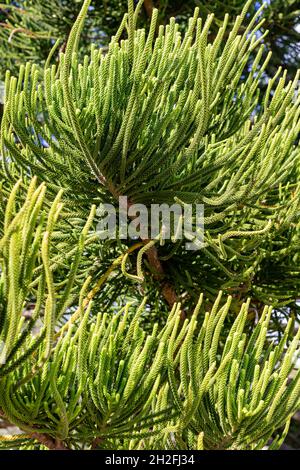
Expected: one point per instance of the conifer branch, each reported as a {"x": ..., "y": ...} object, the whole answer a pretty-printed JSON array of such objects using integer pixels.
[
  {"x": 148, "y": 5},
  {"x": 49, "y": 442},
  {"x": 172, "y": 117}
]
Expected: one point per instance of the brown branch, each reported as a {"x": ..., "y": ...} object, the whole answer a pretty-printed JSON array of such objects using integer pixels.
[
  {"x": 62, "y": 48},
  {"x": 48, "y": 441},
  {"x": 167, "y": 289},
  {"x": 96, "y": 442}
]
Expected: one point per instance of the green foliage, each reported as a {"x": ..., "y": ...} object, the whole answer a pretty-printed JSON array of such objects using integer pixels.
[{"x": 176, "y": 118}]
